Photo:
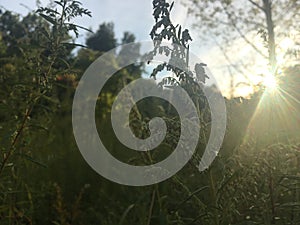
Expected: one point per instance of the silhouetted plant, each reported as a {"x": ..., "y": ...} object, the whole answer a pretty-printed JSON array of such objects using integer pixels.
[{"x": 29, "y": 90}]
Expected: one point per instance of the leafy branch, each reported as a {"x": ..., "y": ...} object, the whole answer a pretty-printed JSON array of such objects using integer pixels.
[
  {"x": 42, "y": 60},
  {"x": 165, "y": 30}
]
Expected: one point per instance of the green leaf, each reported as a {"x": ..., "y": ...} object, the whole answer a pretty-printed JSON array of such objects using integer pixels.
[
  {"x": 171, "y": 6},
  {"x": 48, "y": 18},
  {"x": 83, "y": 28},
  {"x": 75, "y": 45},
  {"x": 45, "y": 33},
  {"x": 290, "y": 204},
  {"x": 179, "y": 32},
  {"x": 29, "y": 158},
  {"x": 59, "y": 3},
  {"x": 190, "y": 196},
  {"x": 125, "y": 214},
  {"x": 65, "y": 62},
  {"x": 55, "y": 101}
]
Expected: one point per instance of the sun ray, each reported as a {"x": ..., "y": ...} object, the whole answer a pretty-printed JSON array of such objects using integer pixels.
[
  {"x": 275, "y": 114},
  {"x": 291, "y": 96}
]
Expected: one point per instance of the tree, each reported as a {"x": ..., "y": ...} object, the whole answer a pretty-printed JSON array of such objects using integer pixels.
[
  {"x": 127, "y": 38},
  {"x": 104, "y": 38},
  {"x": 227, "y": 21}
]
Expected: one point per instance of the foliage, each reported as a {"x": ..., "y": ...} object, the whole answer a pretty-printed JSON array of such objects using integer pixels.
[
  {"x": 45, "y": 180},
  {"x": 36, "y": 54},
  {"x": 104, "y": 39},
  {"x": 165, "y": 30},
  {"x": 229, "y": 24}
]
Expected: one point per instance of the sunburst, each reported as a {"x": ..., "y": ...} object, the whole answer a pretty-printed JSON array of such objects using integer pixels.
[{"x": 270, "y": 82}]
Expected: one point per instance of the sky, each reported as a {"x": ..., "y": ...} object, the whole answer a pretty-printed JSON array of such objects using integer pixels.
[
  {"x": 129, "y": 15},
  {"x": 136, "y": 16}
]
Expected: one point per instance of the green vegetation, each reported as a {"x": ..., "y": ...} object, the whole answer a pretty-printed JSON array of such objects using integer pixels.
[{"x": 255, "y": 179}]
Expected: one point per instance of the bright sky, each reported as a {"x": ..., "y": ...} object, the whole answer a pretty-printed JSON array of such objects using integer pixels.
[
  {"x": 130, "y": 15},
  {"x": 136, "y": 16}
]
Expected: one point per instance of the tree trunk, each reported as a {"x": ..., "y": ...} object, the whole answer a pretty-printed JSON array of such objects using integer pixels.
[{"x": 271, "y": 35}]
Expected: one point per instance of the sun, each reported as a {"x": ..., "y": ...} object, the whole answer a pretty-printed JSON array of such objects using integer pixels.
[{"x": 270, "y": 82}]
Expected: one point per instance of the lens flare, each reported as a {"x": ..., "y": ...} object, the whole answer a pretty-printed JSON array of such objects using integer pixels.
[{"x": 270, "y": 82}]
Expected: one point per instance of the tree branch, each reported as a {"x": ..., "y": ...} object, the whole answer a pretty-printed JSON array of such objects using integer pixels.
[
  {"x": 257, "y": 5},
  {"x": 241, "y": 34},
  {"x": 249, "y": 42},
  {"x": 235, "y": 67}
]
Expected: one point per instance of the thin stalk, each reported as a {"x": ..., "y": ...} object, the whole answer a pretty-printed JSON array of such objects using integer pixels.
[
  {"x": 151, "y": 207},
  {"x": 15, "y": 139},
  {"x": 271, "y": 190},
  {"x": 24, "y": 121},
  {"x": 214, "y": 196}
]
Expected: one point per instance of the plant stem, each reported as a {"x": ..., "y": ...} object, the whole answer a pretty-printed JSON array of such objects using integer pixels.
[
  {"x": 151, "y": 207},
  {"x": 214, "y": 197},
  {"x": 16, "y": 138},
  {"x": 271, "y": 189}
]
